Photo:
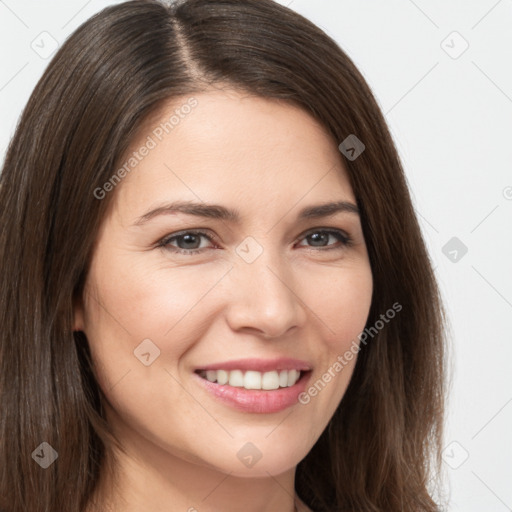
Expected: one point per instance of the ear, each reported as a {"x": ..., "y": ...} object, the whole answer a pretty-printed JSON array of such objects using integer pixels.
[{"x": 78, "y": 314}]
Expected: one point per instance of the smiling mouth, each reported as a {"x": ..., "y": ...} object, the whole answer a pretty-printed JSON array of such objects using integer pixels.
[{"x": 266, "y": 381}]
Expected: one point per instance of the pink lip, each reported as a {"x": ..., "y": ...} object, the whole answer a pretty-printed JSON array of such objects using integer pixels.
[
  {"x": 254, "y": 400},
  {"x": 260, "y": 365}
]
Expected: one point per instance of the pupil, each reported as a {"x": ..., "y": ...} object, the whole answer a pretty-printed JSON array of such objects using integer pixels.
[
  {"x": 315, "y": 237},
  {"x": 189, "y": 239}
]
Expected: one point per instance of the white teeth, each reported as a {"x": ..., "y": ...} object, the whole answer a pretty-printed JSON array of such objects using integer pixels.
[
  {"x": 236, "y": 378},
  {"x": 222, "y": 377},
  {"x": 270, "y": 380},
  {"x": 252, "y": 379},
  {"x": 293, "y": 377}
]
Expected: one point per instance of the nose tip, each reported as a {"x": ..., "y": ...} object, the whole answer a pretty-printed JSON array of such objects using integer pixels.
[
  {"x": 273, "y": 331},
  {"x": 265, "y": 301}
]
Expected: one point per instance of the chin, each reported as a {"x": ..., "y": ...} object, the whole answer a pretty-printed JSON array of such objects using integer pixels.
[{"x": 261, "y": 457}]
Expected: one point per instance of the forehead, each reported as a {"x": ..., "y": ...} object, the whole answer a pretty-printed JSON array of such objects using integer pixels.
[{"x": 231, "y": 147}]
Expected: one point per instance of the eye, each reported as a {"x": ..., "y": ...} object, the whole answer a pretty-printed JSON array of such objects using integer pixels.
[
  {"x": 189, "y": 242},
  {"x": 320, "y": 238}
]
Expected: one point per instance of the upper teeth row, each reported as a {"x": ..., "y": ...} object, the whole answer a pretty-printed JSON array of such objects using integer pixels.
[{"x": 252, "y": 379}]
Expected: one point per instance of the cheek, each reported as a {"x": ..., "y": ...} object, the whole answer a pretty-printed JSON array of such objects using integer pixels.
[
  {"x": 147, "y": 300},
  {"x": 343, "y": 305},
  {"x": 342, "y": 308},
  {"x": 139, "y": 309},
  {"x": 138, "y": 327}
]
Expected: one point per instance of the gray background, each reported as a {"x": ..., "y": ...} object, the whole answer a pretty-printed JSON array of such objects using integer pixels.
[{"x": 449, "y": 109}]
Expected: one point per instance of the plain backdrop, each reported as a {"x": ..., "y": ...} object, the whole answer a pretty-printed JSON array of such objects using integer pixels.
[{"x": 442, "y": 74}]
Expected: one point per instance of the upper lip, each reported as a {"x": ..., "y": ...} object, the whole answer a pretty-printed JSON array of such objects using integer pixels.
[{"x": 259, "y": 365}]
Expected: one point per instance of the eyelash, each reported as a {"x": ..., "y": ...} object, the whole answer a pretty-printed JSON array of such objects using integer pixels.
[{"x": 345, "y": 240}]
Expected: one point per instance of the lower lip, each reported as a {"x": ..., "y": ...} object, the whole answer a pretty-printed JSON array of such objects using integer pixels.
[{"x": 255, "y": 400}]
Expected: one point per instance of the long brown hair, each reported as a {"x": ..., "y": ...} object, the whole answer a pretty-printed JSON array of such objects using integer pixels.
[{"x": 381, "y": 450}]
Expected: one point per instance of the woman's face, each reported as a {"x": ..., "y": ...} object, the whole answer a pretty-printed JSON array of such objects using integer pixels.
[{"x": 259, "y": 297}]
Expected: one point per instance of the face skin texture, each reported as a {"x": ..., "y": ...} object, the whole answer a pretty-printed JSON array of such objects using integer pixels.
[{"x": 303, "y": 297}]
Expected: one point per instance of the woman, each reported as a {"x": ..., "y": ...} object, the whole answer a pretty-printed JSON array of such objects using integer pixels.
[{"x": 215, "y": 293}]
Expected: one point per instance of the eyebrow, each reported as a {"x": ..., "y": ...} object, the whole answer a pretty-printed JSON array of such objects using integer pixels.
[{"x": 215, "y": 211}]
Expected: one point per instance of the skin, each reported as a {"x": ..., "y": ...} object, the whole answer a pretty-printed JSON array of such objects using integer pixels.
[{"x": 268, "y": 160}]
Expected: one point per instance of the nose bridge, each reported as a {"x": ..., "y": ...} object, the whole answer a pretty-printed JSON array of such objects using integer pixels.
[{"x": 264, "y": 298}]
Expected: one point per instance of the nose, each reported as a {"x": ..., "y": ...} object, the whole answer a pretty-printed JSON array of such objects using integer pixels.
[{"x": 265, "y": 297}]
